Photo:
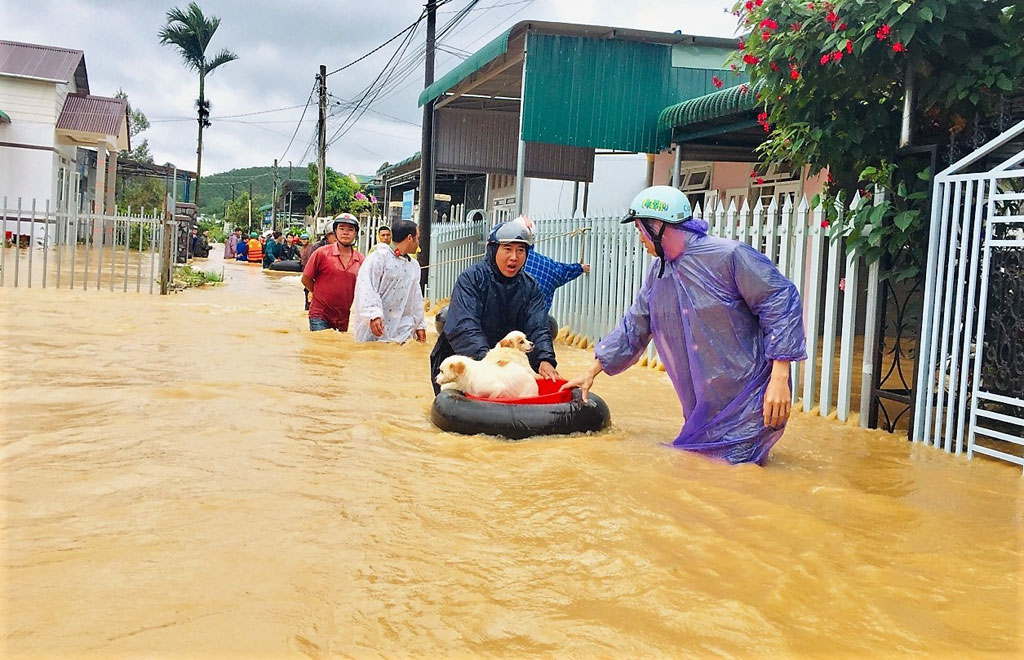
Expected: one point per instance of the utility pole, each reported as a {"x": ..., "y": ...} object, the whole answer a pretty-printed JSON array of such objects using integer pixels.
[
  {"x": 427, "y": 151},
  {"x": 250, "y": 206},
  {"x": 321, "y": 161},
  {"x": 273, "y": 201}
]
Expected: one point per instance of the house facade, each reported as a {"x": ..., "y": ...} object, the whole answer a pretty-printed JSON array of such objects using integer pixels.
[{"x": 57, "y": 141}]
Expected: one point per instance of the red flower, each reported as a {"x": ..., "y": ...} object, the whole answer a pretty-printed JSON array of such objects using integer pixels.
[
  {"x": 717, "y": 82},
  {"x": 831, "y": 18},
  {"x": 849, "y": 46},
  {"x": 824, "y": 59},
  {"x": 882, "y": 32},
  {"x": 795, "y": 27},
  {"x": 749, "y": 5},
  {"x": 775, "y": 67},
  {"x": 769, "y": 24},
  {"x": 842, "y": 26},
  {"x": 753, "y": 174},
  {"x": 837, "y": 56},
  {"x": 757, "y": 95},
  {"x": 898, "y": 47},
  {"x": 828, "y": 176},
  {"x": 759, "y": 180},
  {"x": 763, "y": 117},
  {"x": 743, "y": 88},
  {"x": 751, "y": 59},
  {"x": 810, "y": 5},
  {"x": 742, "y": 45},
  {"x": 733, "y": 67},
  {"x": 794, "y": 74},
  {"x": 766, "y": 35},
  {"x": 758, "y": 2},
  {"x": 824, "y": 224}
]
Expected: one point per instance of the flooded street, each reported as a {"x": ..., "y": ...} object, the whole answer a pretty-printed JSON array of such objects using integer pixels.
[{"x": 197, "y": 475}]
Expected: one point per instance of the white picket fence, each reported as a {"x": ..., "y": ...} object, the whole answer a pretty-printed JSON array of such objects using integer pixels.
[
  {"x": 792, "y": 236},
  {"x": 69, "y": 247}
]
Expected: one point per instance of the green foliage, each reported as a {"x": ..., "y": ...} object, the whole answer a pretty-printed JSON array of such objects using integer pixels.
[
  {"x": 341, "y": 192},
  {"x": 831, "y": 78},
  {"x": 237, "y": 213},
  {"x": 188, "y": 276},
  {"x": 142, "y": 194},
  {"x": 215, "y": 227},
  {"x": 190, "y": 32},
  {"x": 137, "y": 123}
]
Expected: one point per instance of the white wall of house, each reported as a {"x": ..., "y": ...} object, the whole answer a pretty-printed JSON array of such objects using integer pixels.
[
  {"x": 31, "y": 153},
  {"x": 617, "y": 179}
]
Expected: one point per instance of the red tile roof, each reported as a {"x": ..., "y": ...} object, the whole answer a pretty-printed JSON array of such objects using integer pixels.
[
  {"x": 47, "y": 62},
  {"x": 92, "y": 114}
]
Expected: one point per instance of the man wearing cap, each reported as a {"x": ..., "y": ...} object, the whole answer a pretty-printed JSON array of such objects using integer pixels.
[
  {"x": 726, "y": 323},
  {"x": 330, "y": 275},
  {"x": 494, "y": 297}
]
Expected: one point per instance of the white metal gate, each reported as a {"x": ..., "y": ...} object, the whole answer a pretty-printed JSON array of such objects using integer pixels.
[{"x": 971, "y": 370}]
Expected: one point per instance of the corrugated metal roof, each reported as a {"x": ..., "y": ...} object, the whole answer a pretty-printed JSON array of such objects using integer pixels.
[
  {"x": 720, "y": 103},
  {"x": 400, "y": 164},
  {"x": 604, "y": 93},
  {"x": 46, "y": 62},
  {"x": 92, "y": 114},
  {"x": 499, "y": 47}
]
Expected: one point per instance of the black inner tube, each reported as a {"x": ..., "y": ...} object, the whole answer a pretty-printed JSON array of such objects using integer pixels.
[
  {"x": 453, "y": 411},
  {"x": 289, "y": 265}
]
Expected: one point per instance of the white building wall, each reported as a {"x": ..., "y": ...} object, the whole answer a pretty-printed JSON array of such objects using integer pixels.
[
  {"x": 617, "y": 179},
  {"x": 27, "y": 157}
]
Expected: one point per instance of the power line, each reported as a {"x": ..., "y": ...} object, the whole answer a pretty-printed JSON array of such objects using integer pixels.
[{"x": 297, "y": 126}]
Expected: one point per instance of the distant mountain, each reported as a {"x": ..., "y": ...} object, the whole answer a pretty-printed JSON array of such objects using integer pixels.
[{"x": 215, "y": 189}]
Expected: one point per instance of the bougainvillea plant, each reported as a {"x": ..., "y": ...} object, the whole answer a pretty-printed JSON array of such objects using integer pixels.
[{"x": 831, "y": 78}]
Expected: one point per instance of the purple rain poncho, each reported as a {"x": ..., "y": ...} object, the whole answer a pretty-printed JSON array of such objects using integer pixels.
[{"x": 719, "y": 316}]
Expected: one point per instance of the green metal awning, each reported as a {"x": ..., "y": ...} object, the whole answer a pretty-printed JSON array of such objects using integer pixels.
[
  {"x": 469, "y": 66},
  {"x": 717, "y": 104},
  {"x": 4, "y": 118},
  {"x": 402, "y": 163}
]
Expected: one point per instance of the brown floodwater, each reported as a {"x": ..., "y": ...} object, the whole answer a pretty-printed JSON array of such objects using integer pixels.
[{"x": 197, "y": 475}]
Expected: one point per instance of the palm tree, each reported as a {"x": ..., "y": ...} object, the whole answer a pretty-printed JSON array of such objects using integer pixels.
[{"x": 190, "y": 32}]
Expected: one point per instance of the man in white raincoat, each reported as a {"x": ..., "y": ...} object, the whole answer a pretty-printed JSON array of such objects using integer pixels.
[{"x": 388, "y": 303}]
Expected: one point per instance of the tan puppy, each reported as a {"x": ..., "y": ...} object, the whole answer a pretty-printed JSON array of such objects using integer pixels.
[
  {"x": 513, "y": 348},
  {"x": 492, "y": 380}
]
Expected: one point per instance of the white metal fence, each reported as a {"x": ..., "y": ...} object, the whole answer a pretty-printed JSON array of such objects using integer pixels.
[
  {"x": 971, "y": 370},
  {"x": 792, "y": 236},
  {"x": 68, "y": 247}
]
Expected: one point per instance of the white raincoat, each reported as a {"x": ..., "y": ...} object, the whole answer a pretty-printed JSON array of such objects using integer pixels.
[{"x": 388, "y": 288}]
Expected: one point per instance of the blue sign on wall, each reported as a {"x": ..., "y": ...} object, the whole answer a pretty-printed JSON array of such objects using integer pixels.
[{"x": 407, "y": 200}]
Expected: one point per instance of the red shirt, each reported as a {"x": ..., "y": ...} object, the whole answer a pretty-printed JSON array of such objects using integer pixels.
[{"x": 334, "y": 283}]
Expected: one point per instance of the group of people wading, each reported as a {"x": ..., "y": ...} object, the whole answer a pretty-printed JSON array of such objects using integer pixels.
[{"x": 726, "y": 323}]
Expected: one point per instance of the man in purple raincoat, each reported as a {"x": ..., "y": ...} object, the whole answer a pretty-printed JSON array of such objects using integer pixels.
[{"x": 726, "y": 324}]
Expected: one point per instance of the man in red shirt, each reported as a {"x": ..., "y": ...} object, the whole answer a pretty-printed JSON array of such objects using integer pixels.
[{"x": 330, "y": 275}]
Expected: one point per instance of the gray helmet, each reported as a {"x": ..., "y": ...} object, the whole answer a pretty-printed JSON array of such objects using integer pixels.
[{"x": 519, "y": 230}]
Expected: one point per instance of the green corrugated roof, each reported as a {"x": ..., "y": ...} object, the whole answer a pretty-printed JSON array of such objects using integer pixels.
[
  {"x": 391, "y": 168},
  {"x": 720, "y": 103},
  {"x": 467, "y": 67}
]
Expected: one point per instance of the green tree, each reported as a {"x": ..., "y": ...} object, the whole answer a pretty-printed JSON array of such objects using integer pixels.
[
  {"x": 190, "y": 32},
  {"x": 140, "y": 193},
  {"x": 341, "y": 192},
  {"x": 237, "y": 212},
  {"x": 137, "y": 123},
  {"x": 831, "y": 77}
]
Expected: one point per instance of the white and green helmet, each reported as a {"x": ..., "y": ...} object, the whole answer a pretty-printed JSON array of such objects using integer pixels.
[{"x": 663, "y": 203}]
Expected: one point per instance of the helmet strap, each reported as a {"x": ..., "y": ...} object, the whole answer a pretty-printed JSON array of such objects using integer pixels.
[{"x": 656, "y": 239}]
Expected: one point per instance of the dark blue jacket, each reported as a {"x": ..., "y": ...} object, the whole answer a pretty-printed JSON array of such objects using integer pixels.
[{"x": 486, "y": 306}]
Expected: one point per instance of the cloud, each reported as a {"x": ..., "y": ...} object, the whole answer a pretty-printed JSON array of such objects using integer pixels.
[{"x": 280, "y": 47}]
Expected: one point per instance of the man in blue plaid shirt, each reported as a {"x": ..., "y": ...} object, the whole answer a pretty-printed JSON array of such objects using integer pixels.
[{"x": 551, "y": 274}]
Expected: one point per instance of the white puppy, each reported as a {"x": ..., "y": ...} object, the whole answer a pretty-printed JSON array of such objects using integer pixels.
[
  {"x": 512, "y": 348},
  {"x": 491, "y": 380}
]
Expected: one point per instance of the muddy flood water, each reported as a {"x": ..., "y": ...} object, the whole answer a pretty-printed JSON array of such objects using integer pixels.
[{"x": 197, "y": 475}]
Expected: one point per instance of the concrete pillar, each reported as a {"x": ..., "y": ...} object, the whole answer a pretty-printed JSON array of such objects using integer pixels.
[
  {"x": 101, "y": 180},
  {"x": 111, "y": 181}
]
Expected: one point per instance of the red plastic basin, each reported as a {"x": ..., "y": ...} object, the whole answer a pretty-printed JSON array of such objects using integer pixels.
[{"x": 548, "y": 394}]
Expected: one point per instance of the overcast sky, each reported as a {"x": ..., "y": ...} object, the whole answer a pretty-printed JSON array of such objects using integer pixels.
[{"x": 280, "y": 47}]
